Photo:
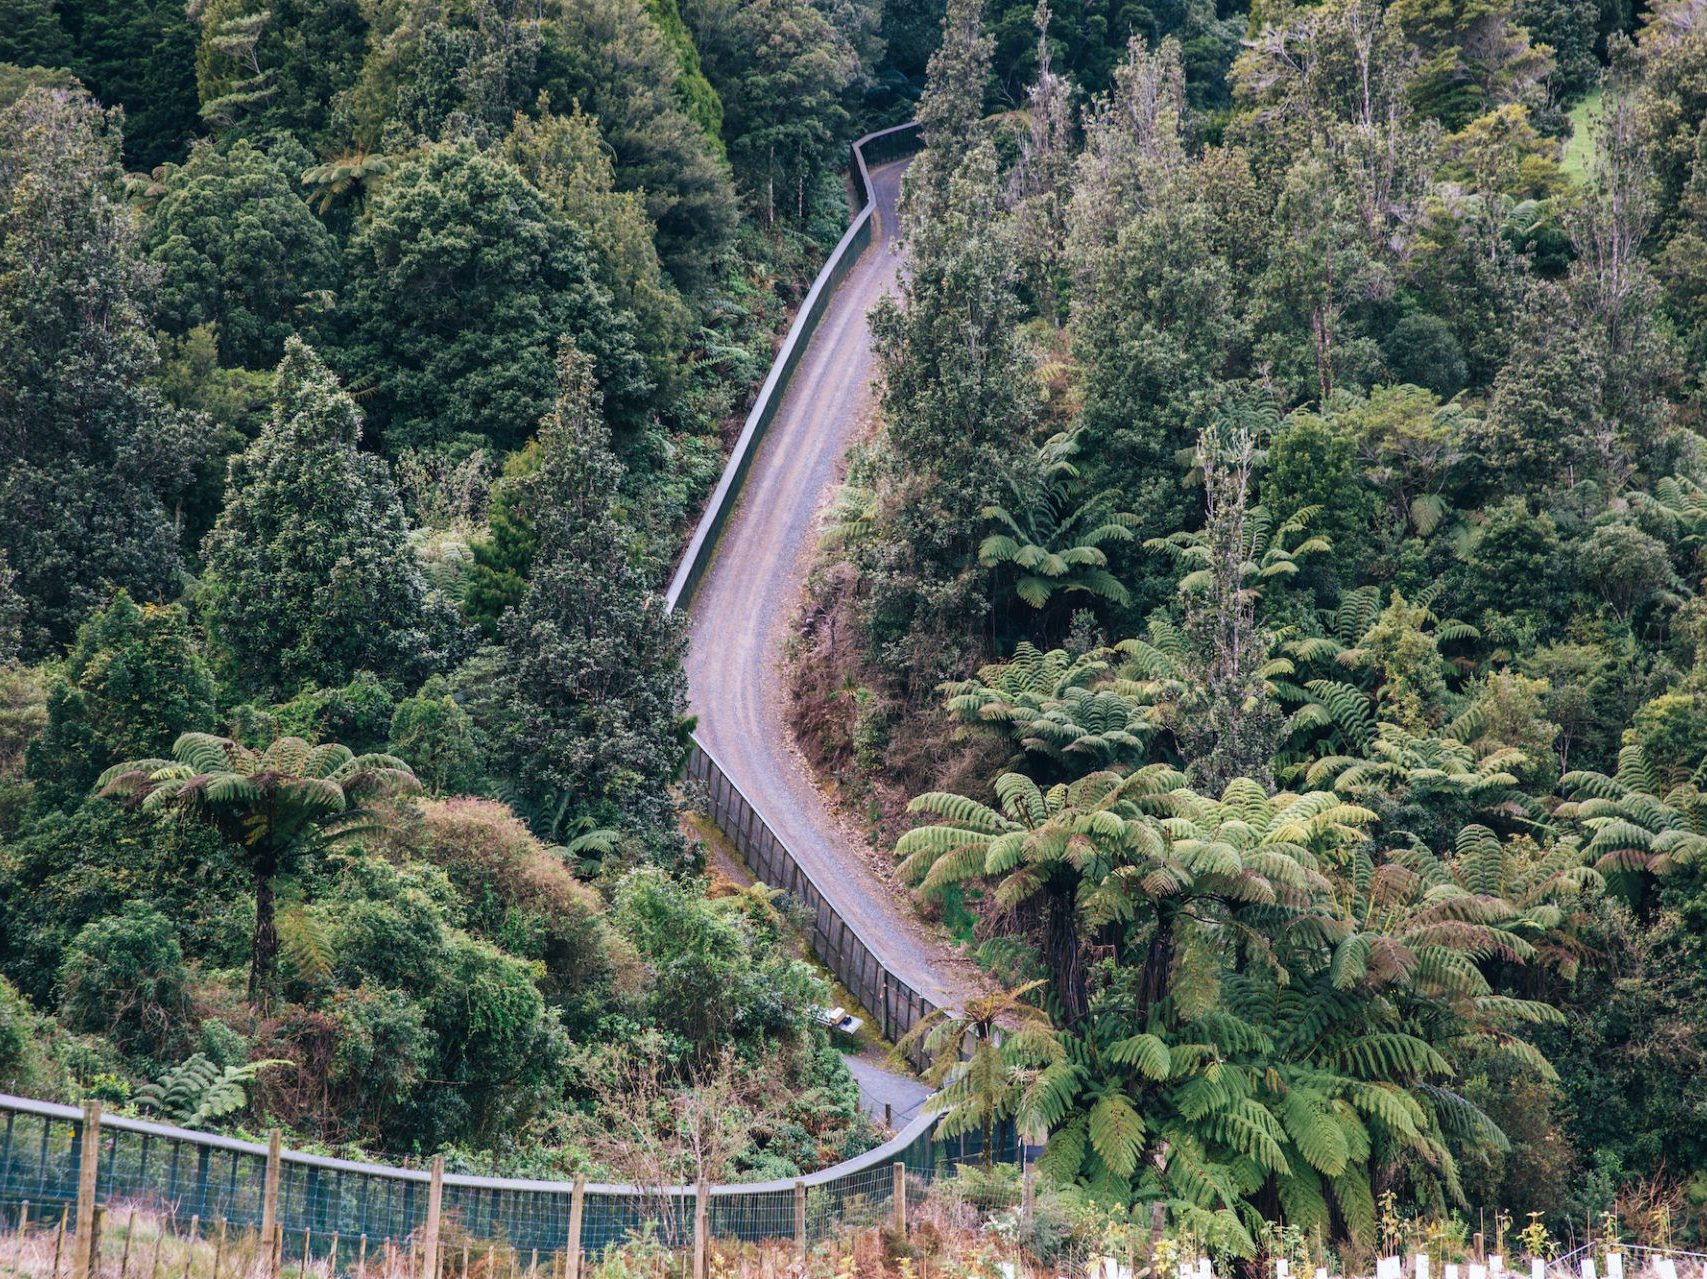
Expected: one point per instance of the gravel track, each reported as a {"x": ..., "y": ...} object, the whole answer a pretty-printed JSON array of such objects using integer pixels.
[{"x": 743, "y": 606}]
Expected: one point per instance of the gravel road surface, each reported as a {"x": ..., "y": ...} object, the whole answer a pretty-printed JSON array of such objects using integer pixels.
[{"x": 743, "y": 606}]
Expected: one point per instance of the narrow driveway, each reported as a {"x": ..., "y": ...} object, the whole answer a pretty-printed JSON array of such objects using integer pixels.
[
  {"x": 885, "y": 1093},
  {"x": 744, "y": 604}
]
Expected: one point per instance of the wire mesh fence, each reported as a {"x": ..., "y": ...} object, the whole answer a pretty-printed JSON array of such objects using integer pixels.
[
  {"x": 895, "y": 1005},
  {"x": 874, "y": 148},
  {"x": 220, "y": 1202},
  {"x": 891, "y": 1001}
]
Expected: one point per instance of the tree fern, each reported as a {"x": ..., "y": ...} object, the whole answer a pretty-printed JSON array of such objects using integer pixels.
[{"x": 196, "y": 1091}]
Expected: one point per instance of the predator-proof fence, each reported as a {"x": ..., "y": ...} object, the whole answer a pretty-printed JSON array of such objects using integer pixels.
[
  {"x": 873, "y": 148},
  {"x": 339, "y": 1215},
  {"x": 896, "y": 1006},
  {"x": 855, "y": 963}
]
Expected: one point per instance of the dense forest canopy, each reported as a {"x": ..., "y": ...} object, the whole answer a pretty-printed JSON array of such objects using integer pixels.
[
  {"x": 1276, "y": 574},
  {"x": 363, "y": 367},
  {"x": 1276, "y": 568}
]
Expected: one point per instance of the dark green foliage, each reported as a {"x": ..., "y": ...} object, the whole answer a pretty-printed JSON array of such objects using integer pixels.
[
  {"x": 462, "y": 280},
  {"x": 568, "y": 162},
  {"x": 595, "y": 690},
  {"x": 781, "y": 70},
  {"x": 237, "y": 248},
  {"x": 134, "y": 680},
  {"x": 1515, "y": 562},
  {"x": 1627, "y": 569},
  {"x": 124, "y": 977},
  {"x": 1422, "y": 351},
  {"x": 503, "y": 558},
  {"x": 1312, "y": 462},
  {"x": 308, "y": 51},
  {"x": 436, "y": 738},
  {"x": 608, "y": 56},
  {"x": 359, "y": 714},
  {"x": 309, "y": 575},
  {"x": 444, "y": 71},
  {"x": 88, "y": 448},
  {"x": 282, "y": 806},
  {"x": 31, "y": 34},
  {"x": 955, "y": 395},
  {"x": 231, "y": 403},
  {"x": 1568, "y": 27},
  {"x": 518, "y": 894},
  {"x": 140, "y": 55},
  {"x": 70, "y": 869}
]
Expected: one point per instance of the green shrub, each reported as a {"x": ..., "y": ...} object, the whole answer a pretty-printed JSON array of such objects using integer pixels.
[{"x": 124, "y": 977}]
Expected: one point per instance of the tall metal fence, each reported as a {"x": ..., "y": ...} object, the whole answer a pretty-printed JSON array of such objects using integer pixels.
[
  {"x": 895, "y": 1005},
  {"x": 319, "y": 1201},
  {"x": 873, "y": 148},
  {"x": 837, "y": 943}
]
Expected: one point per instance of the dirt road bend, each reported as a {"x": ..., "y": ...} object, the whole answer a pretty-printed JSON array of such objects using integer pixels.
[{"x": 742, "y": 608}]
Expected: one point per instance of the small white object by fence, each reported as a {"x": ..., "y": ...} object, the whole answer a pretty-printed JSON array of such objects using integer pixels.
[
  {"x": 1451, "y": 1270},
  {"x": 1614, "y": 1265},
  {"x": 1666, "y": 1267},
  {"x": 1419, "y": 1265},
  {"x": 1389, "y": 1268},
  {"x": 1588, "y": 1268}
]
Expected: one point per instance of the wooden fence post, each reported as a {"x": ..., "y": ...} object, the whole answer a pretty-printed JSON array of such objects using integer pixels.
[
  {"x": 577, "y": 1210},
  {"x": 900, "y": 1198},
  {"x": 800, "y": 1221},
  {"x": 435, "y": 1202},
  {"x": 701, "y": 1194},
  {"x": 83, "y": 1246},
  {"x": 270, "y": 1187}
]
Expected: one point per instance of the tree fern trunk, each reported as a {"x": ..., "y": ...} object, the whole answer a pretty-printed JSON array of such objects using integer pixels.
[
  {"x": 1158, "y": 963},
  {"x": 1064, "y": 954},
  {"x": 264, "y": 951}
]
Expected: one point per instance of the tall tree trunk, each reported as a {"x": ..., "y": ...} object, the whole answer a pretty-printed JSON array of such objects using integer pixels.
[
  {"x": 1158, "y": 963},
  {"x": 1063, "y": 954},
  {"x": 264, "y": 951}
]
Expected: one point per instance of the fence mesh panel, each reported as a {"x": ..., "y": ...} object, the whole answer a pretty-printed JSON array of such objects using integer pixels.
[{"x": 207, "y": 1187}]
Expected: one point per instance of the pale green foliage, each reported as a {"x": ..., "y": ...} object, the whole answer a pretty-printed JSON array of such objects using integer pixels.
[
  {"x": 1057, "y": 705},
  {"x": 1052, "y": 537},
  {"x": 196, "y": 1091},
  {"x": 984, "y": 1060},
  {"x": 1635, "y": 823}
]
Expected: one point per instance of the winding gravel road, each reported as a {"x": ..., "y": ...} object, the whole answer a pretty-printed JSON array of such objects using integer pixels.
[{"x": 742, "y": 608}]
